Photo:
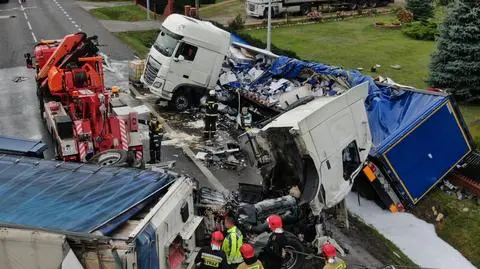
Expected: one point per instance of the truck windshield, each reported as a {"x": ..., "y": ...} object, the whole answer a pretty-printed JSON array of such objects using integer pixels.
[{"x": 166, "y": 42}]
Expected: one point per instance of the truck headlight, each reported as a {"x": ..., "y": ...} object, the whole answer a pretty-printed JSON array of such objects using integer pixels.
[{"x": 157, "y": 84}]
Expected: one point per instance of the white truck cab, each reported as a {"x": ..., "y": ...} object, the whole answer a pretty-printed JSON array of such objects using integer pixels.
[
  {"x": 319, "y": 146},
  {"x": 185, "y": 59}
]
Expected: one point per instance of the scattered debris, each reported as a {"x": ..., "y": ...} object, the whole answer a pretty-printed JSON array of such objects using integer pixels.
[
  {"x": 439, "y": 217},
  {"x": 396, "y": 66},
  {"x": 465, "y": 209},
  {"x": 18, "y": 79}
]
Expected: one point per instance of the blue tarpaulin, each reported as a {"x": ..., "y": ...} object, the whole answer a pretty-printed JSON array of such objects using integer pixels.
[
  {"x": 146, "y": 243},
  {"x": 391, "y": 113},
  {"x": 72, "y": 196},
  {"x": 238, "y": 39}
]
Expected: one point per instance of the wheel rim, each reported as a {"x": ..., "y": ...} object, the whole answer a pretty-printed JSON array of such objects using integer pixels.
[
  {"x": 181, "y": 103},
  {"x": 109, "y": 158},
  {"x": 290, "y": 258}
]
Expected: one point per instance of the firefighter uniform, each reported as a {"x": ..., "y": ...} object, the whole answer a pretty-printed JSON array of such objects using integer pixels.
[
  {"x": 272, "y": 255},
  {"x": 211, "y": 115},
  {"x": 336, "y": 264},
  {"x": 256, "y": 265},
  {"x": 156, "y": 135},
  {"x": 231, "y": 246},
  {"x": 209, "y": 258}
]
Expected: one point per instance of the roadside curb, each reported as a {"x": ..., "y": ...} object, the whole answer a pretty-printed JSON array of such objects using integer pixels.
[{"x": 212, "y": 179}]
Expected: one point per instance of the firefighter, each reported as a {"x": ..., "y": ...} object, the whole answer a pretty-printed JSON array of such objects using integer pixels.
[
  {"x": 273, "y": 253},
  {"x": 211, "y": 115},
  {"x": 213, "y": 256},
  {"x": 249, "y": 259},
  {"x": 331, "y": 259},
  {"x": 156, "y": 135},
  {"x": 244, "y": 119},
  {"x": 232, "y": 243}
]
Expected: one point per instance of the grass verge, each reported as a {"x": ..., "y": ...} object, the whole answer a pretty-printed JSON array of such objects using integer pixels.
[
  {"x": 224, "y": 9},
  {"x": 139, "y": 41},
  {"x": 120, "y": 13},
  {"x": 459, "y": 228}
]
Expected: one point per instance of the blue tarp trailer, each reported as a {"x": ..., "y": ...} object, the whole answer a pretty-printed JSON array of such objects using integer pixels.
[
  {"x": 21, "y": 146},
  {"x": 418, "y": 136}
]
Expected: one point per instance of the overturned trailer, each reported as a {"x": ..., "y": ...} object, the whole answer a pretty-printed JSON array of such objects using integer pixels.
[
  {"x": 418, "y": 136},
  {"x": 70, "y": 215}
]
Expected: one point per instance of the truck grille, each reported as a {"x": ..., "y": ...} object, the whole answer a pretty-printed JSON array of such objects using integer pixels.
[
  {"x": 251, "y": 7},
  {"x": 151, "y": 71}
]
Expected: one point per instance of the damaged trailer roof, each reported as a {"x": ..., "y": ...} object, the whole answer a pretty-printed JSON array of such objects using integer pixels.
[
  {"x": 72, "y": 196},
  {"x": 391, "y": 112}
]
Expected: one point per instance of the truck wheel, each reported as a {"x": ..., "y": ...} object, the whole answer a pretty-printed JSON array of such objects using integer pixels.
[
  {"x": 112, "y": 157},
  {"x": 180, "y": 101},
  {"x": 304, "y": 9},
  {"x": 293, "y": 260}
]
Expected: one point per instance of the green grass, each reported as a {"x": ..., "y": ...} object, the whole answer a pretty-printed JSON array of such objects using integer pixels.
[
  {"x": 356, "y": 43},
  {"x": 460, "y": 229},
  {"x": 139, "y": 41},
  {"x": 226, "y": 8},
  {"x": 120, "y": 13},
  {"x": 471, "y": 114}
]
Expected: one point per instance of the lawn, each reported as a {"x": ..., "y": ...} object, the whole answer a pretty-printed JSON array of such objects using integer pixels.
[
  {"x": 356, "y": 43},
  {"x": 139, "y": 41},
  {"x": 120, "y": 13},
  {"x": 224, "y": 9},
  {"x": 461, "y": 226}
]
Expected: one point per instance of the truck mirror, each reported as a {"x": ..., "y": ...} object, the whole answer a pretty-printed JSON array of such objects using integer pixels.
[{"x": 179, "y": 58}]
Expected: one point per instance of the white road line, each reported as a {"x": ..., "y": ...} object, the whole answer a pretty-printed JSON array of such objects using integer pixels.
[
  {"x": 80, "y": 29},
  {"x": 34, "y": 37},
  {"x": 25, "y": 15},
  {"x": 76, "y": 25},
  {"x": 29, "y": 25}
]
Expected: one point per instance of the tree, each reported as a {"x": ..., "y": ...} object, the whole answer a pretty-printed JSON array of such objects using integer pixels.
[
  {"x": 421, "y": 9},
  {"x": 455, "y": 65}
]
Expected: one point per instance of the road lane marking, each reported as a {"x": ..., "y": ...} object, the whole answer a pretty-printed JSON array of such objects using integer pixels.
[
  {"x": 29, "y": 26},
  {"x": 67, "y": 15},
  {"x": 34, "y": 37}
]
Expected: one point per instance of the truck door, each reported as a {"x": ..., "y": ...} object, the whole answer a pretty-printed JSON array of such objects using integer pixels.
[{"x": 190, "y": 65}]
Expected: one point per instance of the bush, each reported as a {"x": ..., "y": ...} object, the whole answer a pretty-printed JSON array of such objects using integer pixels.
[
  {"x": 236, "y": 24},
  {"x": 421, "y": 30},
  {"x": 404, "y": 16},
  {"x": 443, "y": 2},
  {"x": 421, "y": 9}
]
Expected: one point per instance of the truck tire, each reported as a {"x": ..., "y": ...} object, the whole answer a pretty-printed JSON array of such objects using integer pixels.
[
  {"x": 293, "y": 260},
  {"x": 305, "y": 9},
  {"x": 181, "y": 100},
  {"x": 112, "y": 157}
]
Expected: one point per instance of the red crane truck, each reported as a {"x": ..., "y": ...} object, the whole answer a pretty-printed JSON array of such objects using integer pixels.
[{"x": 76, "y": 105}]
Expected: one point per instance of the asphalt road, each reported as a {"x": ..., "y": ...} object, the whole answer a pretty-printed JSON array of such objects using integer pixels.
[{"x": 22, "y": 24}]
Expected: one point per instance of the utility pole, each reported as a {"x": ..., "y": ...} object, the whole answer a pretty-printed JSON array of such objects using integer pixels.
[
  {"x": 269, "y": 25},
  {"x": 148, "y": 9},
  {"x": 197, "y": 8}
]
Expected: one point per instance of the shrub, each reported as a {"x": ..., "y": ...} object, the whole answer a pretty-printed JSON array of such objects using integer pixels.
[
  {"x": 404, "y": 16},
  {"x": 421, "y": 9},
  {"x": 236, "y": 24},
  {"x": 421, "y": 30}
]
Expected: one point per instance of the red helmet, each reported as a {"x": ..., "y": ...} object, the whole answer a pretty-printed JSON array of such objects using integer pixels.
[
  {"x": 274, "y": 222},
  {"x": 217, "y": 238},
  {"x": 247, "y": 251},
  {"x": 329, "y": 250}
]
